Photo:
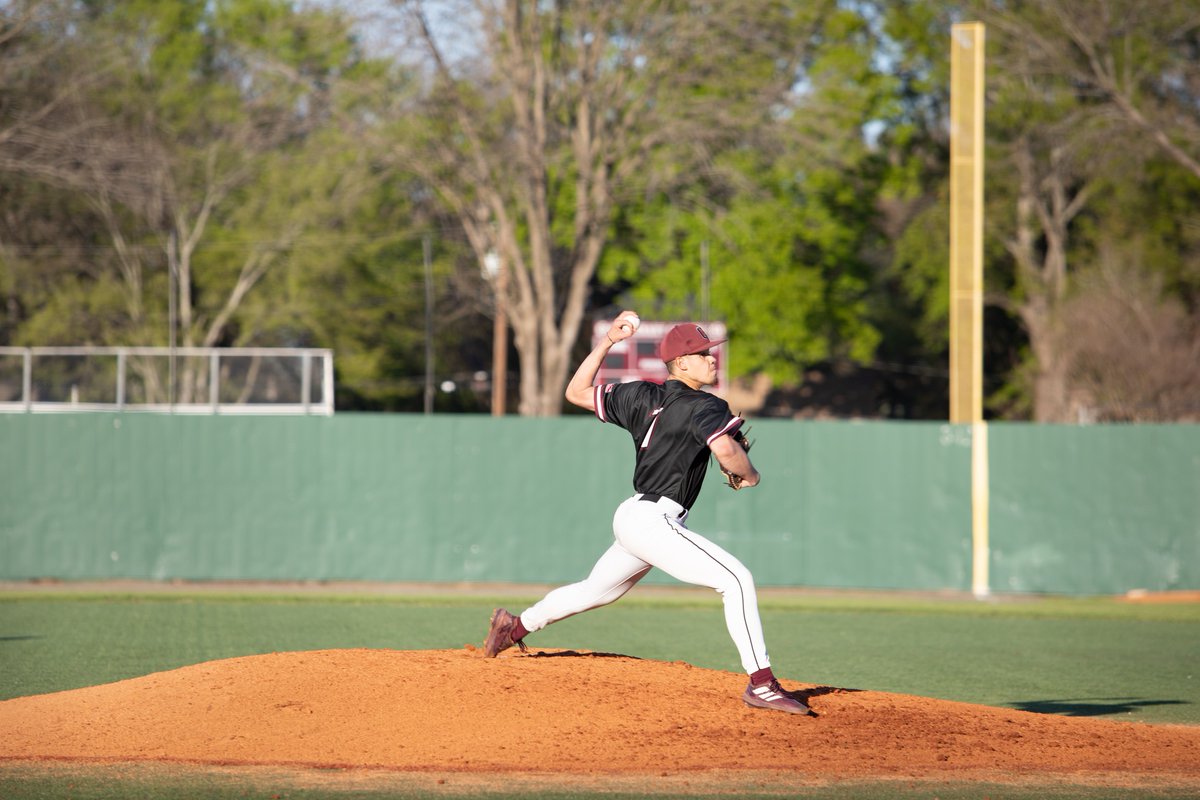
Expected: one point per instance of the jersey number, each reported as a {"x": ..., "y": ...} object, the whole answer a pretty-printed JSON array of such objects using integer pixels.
[{"x": 650, "y": 430}]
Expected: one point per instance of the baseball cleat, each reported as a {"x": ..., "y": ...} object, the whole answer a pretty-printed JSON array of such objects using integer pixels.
[
  {"x": 499, "y": 636},
  {"x": 772, "y": 695}
]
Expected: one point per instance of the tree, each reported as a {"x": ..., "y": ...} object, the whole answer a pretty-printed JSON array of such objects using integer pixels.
[
  {"x": 1074, "y": 91},
  {"x": 1135, "y": 63},
  {"x": 785, "y": 220},
  {"x": 193, "y": 149},
  {"x": 50, "y": 146},
  {"x": 1132, "y": 349},
  {"x": 570, "y": 109}
]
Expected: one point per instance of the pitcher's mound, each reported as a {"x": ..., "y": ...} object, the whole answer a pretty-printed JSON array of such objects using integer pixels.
[{"x": 557, "y": 712}]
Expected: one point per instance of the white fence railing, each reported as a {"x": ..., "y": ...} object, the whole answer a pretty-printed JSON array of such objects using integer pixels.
[{"x": 195, "y": 380}]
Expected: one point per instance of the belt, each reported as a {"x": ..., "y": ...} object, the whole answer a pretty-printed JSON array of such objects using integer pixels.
[{"x": 679, "y": 512}]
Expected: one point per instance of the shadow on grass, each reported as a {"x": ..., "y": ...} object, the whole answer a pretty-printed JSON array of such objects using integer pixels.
[{"x": 1091, "y": 706}]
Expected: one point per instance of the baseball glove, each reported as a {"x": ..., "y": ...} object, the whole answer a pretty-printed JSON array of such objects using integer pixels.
[{"x": 733, "y": 480}]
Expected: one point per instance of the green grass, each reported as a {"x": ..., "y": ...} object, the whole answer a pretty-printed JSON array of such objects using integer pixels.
[
  {"x": 1090, "y": 658},
  {"x": 1095, "y": 657},
  {"x": 175, "y": 782}
]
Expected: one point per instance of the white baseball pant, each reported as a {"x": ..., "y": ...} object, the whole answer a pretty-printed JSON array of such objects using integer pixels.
[{"x": 653, "y": 534}]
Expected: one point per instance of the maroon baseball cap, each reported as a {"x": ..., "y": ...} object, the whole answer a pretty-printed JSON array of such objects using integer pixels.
[{"x": 685, "y": 339}]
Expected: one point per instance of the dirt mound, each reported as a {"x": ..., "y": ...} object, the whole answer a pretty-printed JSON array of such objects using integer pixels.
[{"x": 557, "y": 712}]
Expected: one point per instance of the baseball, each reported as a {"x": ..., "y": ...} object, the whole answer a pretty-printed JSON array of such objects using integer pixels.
[{"x": 633, "y": 320}]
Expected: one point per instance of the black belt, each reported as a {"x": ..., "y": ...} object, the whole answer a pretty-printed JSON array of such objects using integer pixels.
[{"x": 654, "y": 498}]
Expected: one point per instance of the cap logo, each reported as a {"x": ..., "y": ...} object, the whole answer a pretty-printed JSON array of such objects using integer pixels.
[{"x": 703, "y": 335}]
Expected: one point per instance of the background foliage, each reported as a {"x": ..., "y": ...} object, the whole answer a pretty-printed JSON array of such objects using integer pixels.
[{"x": 262, "y": 172}]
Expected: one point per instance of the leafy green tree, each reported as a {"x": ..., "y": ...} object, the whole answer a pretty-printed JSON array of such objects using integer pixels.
[
  {"x": 786, "y": 220},
  {"x": 568, "y": 113},
  {"x": 206, "y": 152},
  {"x": 1075, "y": 90},
  {"x": 1082, "y": 100}
]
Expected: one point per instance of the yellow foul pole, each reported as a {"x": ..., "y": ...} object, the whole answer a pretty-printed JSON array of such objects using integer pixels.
[{"x": 966, "y": 274}]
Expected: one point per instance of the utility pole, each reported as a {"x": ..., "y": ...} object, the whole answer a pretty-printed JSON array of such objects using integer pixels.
[
  {"x": 427, "y": 250},
  {"x": 494, "y": 265}
]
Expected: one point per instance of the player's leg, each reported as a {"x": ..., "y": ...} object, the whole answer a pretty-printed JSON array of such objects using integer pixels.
[
  {"x": 658, "y": 538},
  {"x": 655, "y": 533},
  {"x": 614, "y": 574}
]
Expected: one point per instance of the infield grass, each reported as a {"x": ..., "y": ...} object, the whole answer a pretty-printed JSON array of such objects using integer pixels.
[
  {"x": 1080, "y": 657},
  {"x": 175, "y": 782}
]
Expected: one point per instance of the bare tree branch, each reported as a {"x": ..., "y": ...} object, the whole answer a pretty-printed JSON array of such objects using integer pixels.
[{"x": 567, "y": 106}]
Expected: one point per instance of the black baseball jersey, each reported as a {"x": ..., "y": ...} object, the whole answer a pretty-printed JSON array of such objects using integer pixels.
[{"x": 672, "y": 426}]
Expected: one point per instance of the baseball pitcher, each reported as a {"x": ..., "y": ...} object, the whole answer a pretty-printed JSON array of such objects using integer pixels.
[{"x": 675, "y": 427}]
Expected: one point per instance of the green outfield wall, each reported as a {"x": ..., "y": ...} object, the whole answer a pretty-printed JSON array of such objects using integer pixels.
[
  {"x": 1086, "y": 510},
  {"x": 451, "y": 498}
]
